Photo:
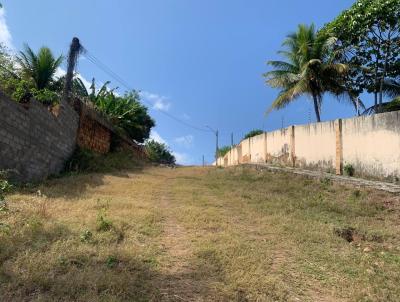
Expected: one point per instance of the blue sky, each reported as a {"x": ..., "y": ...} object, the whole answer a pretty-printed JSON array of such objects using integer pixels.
[{"x": 201, "y": 61}]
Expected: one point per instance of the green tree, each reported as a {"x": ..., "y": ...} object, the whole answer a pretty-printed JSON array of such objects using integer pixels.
[
  {"x": 253, "y": 133},
  {"x": 369, "y": 35},
  {"x": 159, "y": 153},
  {"x": 127, "y": 113},
  {"x": 38, "y": 68},
  {"x": 310, "y": 69}
]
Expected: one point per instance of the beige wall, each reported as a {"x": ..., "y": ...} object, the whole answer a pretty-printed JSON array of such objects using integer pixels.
[
  {"x": 258, "y": 148},
  {"x": 315, "y": 146},
  {"x": 371, "y": 144},
  {"x": 278, "y": 146}
]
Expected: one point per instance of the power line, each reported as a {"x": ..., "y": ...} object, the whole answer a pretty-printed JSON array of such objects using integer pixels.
[{"x": 93, "y": 59}]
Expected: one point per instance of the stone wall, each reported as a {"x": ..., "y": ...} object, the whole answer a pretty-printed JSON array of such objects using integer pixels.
[
  {"x": 370, "y": 144},
  {"x": 35, "y": 143}
]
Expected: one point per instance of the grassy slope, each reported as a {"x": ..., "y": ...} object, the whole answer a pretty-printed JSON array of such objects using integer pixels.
[{"x": 196, "y": 234}]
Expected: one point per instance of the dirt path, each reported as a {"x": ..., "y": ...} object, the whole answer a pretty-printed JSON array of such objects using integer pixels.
[{"x": 179, "y": 284}]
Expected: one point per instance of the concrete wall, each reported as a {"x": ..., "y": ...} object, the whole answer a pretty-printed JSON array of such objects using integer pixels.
[
  {"x": 258, "y": 148},
  {"x": 278, "y": 147},
  {"x": 34, "y": 142},
  {"x": 315, "y": 146},
  {"x": 370, "y": 144}
]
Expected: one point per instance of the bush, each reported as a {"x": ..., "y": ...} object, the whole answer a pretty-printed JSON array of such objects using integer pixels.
[
  {"x": 5, "y": 187},
  {"x": 349, "y": 170},
  {"x": 103, "y": 224},
  {"x": 159, "y": 153},
  {"x": 86, "y": 161}
]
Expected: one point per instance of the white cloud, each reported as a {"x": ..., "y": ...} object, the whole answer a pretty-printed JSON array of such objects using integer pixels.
[
  {"x": 5, "y": 35},
  {"x": 182, "y": 158},
  {"x": 154, "y": 135},
  {"x": 186, "y": 141},
  {"x": 159, "y": 102}
]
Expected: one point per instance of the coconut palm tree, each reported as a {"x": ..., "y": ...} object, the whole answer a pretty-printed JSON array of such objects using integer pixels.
[
  {"x": 310, "y": 69},
  {"x": 38, "y": 68}
]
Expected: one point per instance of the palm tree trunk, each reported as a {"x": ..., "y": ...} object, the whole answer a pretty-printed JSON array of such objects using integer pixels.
[{"x": 316, "y": 107}]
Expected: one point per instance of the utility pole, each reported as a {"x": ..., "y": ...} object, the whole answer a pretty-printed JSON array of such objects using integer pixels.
[
  {"x": 216, "y": 145},
  {"x": 216, "y": 149},
  {"x": 204, "y": 164},
  {"x": 232, "y": 139},
  {"x": 74, "y": 50}
]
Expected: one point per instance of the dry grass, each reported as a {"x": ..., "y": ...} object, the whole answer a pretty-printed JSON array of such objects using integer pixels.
[{"x": 194, "y": 234}]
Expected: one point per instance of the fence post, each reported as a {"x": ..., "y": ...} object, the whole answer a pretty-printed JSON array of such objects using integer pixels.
[
  {"x": 339, "y": 147},
  {"x": 292, "y": 146}
]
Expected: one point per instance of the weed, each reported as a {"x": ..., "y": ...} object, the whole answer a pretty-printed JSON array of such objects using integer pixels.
[
  {"x": 86, "y": 236},
  {"x": 103, "y": 224},
  {"x": 326, "y": 181},
  {"x": 112, "y": 261},
  {"x": 349, "y": 170},
  {"x": 3, "y": 206}
]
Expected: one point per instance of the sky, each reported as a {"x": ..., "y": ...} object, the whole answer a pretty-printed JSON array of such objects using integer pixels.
[{"x": 198, "y": 61}]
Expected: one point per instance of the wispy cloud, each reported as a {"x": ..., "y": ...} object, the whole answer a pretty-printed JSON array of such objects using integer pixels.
[
  {"x": 186, "y": 116},
  {"x": 159, "y": 102},
  {"x": 186, "y": 141},
  {"x": 5, "y": 35}
]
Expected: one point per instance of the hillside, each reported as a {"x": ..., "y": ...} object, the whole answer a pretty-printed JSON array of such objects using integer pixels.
[{"x": 198, "y": 234}]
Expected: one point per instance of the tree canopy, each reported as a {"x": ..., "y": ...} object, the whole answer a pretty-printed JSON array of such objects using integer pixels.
[
  {"x": 159, "y": 153},
  {"x": 310, "y": 69},
  {"x": 369, "y": 35},
  {"x": 128, "y": 113}
]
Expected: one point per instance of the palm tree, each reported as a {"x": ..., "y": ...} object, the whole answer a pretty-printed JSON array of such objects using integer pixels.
[
  {"x": 39, "y": 68},
  {"x": 310, "y": 69}
]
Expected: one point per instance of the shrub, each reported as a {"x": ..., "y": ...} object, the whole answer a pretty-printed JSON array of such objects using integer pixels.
[
  {"x": 159, "y": 153},
  {"x": 103, "y": 224},
  {"x": 86, "y": 236},
  {"x": 349, "y": 170},
  {"x": 86, "y": 161},
  {"x": 5, "y": 187},
  {"x": 111, "y": 261}
]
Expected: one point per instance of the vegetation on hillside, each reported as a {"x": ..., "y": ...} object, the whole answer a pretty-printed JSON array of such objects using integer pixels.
[
  {"x": 31, "y": 74},
  {"x": 200, "y": 235},
  {"x": 159, "y": 153}
]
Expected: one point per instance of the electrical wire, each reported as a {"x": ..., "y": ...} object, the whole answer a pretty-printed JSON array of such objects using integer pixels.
[{"x": 94, "y": 60}]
